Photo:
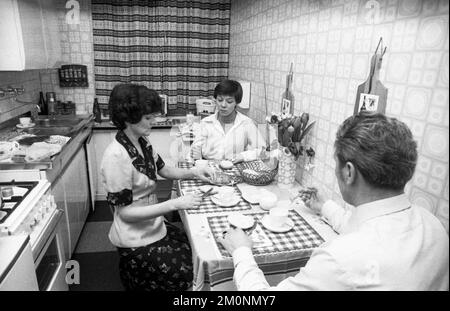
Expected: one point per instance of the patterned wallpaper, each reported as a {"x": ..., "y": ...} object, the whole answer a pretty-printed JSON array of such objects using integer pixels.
[
  {"x": 76, "y": 48},
  {"x": 330, "y": 43}
]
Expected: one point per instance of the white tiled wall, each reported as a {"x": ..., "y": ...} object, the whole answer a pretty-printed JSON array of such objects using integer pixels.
[
  {"x": 76, "y": 48},
  {"x": 330, "y": 43}
]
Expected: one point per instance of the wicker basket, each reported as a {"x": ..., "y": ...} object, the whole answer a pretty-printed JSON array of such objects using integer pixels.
[{"x": 263, "y": 175}]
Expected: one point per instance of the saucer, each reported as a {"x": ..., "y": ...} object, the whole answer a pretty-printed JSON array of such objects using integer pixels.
[
  {"x": 269, "y": 226},
  {"x": 241, "y": 221},
  {"x": 232, "y": 202},
  {"x": 21, "y": 126}
]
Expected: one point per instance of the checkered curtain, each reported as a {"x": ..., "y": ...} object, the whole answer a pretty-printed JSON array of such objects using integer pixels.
[{"x": 178, "y": 48}]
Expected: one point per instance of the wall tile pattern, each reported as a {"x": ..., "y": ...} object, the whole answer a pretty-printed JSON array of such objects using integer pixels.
[
  {"x": 330, "y": 43},
  {"x": 76, "y": 48}
]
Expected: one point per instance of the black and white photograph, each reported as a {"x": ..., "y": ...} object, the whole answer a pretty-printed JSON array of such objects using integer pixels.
[
  {"x": 219, "y": 148},
  {"x": 368, "y": 102}
]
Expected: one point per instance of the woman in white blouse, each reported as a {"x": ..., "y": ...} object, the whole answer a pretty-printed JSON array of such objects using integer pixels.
[
  {"x": 227, "y": 134},
  {"x": 154, "y": 254}
]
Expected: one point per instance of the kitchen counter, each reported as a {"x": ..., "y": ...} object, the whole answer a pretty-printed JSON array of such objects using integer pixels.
[
  {"x": 171, "y": 121},
  {"x": 78, "y": 135},
  {"x": 10, "y": 247}
]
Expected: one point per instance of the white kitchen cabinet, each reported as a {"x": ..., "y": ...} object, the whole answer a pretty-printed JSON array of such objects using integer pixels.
[
  {"x": 58, "y": 192},
  {"x": 95, "y": 150},
  {"x": 76, "y": 189},
  {"x": 29, "y": 34},
  {"x": 71, "y": 192},
  {"x": 164, "y": 140}
]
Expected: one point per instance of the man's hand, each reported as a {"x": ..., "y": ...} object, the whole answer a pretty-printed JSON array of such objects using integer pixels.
[
  {"x": 312, "y": 199},
  {"x": 204, "y": 173},
  {"x": 235, "y": 238}
]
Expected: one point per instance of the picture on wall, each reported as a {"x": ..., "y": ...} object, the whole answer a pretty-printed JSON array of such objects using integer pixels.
[
  {"x": 368, "y": 102},
  {"x": 285, "y": 106}
]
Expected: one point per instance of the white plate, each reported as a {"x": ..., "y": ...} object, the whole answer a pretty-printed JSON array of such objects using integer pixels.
[
  {"x": 231, "y": 202},
  {"x": 252, "y": 198},
  {"x": 241, "y": 221},
  {"x": 21, "y": 126},
  {"x": 269, "y": 226},
  {"x": 249, "y": 193}
]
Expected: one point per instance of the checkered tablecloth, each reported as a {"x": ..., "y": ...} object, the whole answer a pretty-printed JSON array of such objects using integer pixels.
[
  {"x": 301, "y": 237},
  {"x": 207, "y": 205}
]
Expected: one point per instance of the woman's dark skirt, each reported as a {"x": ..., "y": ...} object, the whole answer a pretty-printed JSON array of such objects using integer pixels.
[{"x": 164, "y": 265}]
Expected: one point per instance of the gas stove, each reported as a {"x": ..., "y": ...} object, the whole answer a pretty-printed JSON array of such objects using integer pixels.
[{"x": 9, "y": 204}]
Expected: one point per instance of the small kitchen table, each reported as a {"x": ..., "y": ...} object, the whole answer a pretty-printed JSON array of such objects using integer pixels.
[{"x": 279, "y": 255}]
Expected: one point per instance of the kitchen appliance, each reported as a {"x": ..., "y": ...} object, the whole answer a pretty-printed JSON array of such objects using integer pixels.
[
  {"x": 205, "y": 106},
  {"x": 51, "y": 102},
  {"x": 32, "y": 210}
]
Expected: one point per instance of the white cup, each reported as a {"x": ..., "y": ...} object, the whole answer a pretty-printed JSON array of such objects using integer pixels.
[
  {"x": 201, "y": 163},
  {"x": 25, "y": 121},
  {"x": 267, "y": 200},
  {"x": 278, "y": 216}
]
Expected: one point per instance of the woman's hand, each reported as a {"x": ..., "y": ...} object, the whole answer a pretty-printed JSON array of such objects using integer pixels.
[
  {"x": 235, "y": 238},
  {"x": 204, "y": 173},
  {"x": 238, "y": 159},
  {"x": 189, "y": 201}
]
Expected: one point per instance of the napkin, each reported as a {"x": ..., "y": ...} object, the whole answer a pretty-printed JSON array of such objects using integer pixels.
[
  {"x": 260, "y": 238},
  {"x": 40, "y": 151}
]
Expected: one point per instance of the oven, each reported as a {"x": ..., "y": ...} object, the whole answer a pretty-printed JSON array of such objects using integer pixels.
[{"x": 32, "y": 210}]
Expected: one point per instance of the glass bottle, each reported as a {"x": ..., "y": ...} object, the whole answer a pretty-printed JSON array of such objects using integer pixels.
[
  {"x": 42, "y": 105},
  {"x": 287, "y": 98},
  {"x": 96, "y": 111}
]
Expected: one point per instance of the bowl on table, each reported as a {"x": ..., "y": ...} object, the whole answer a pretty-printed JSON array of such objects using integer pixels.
[
  {"x": 256, "y": 172},
  {"x": 225, "y": 179}
]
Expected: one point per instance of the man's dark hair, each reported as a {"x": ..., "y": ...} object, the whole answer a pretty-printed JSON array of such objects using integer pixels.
[
  {"x": 129, "y": 102},
  {"x": 229, "y": 88},
  {"x": 381, "y": 148}
]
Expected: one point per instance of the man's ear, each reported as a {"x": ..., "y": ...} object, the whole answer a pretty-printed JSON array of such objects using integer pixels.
[{"x": 349, "y": 173}]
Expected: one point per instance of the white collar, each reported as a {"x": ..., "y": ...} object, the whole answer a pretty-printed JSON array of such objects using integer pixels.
[{"x": 367, "y": 211}]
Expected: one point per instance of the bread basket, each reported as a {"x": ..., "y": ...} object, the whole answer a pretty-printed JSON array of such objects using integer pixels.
[{"x": 256, "y": 172}]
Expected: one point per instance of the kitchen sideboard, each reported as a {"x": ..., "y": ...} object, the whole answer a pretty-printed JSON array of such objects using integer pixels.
[{"x": 68, "y": 175}]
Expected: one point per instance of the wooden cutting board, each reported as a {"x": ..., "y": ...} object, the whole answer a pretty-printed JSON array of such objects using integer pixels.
[{"x": 372, "y": 94}]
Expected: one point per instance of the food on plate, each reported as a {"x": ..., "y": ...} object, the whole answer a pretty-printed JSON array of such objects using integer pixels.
[
  {"x": 241, "y": 221},
  {"x": 221, "y": 179},
  {"x": 226, "y": 164}
]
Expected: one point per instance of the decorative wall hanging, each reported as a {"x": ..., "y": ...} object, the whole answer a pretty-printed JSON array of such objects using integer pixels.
[{"x": 372, "y": 94}]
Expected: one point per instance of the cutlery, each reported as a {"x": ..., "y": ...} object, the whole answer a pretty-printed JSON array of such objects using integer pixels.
[{"x": 204, "y": 195}]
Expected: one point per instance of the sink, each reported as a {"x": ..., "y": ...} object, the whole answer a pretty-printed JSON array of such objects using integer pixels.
[{"x": 57, "y": 122}]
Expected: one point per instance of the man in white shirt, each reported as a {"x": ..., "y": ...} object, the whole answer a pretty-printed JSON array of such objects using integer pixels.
[{"x": 385, "y": 243}]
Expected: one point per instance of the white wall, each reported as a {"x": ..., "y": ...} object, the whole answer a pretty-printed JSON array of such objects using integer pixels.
[{"x": 330, "y": 44}]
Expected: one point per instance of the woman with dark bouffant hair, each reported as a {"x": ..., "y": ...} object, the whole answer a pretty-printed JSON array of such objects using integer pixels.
[
  {"x": 228, "y": 134},
  {"x": 154, "y": 254}
]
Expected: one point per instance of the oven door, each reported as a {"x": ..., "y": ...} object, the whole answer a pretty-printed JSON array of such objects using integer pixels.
[{"x": 50, "y": 261}]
